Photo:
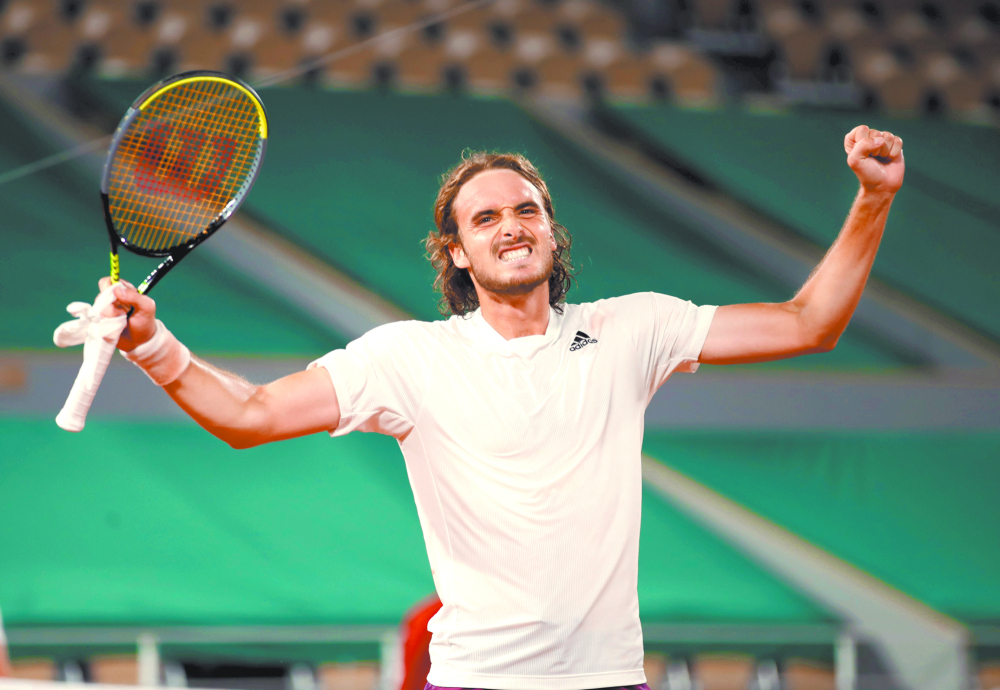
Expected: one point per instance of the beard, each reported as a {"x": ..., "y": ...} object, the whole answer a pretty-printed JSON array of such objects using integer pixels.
[{"x": 514, "y": 285}]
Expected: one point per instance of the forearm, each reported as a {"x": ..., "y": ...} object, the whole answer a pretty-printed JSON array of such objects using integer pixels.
[
  {"x": 223, "y": 403},
  {"x": 829, "y": 297},
  {"x": 228, "y": 406}
]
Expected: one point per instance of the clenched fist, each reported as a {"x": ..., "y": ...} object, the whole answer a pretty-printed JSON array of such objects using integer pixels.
[
  {"x": 876, "y": 157},
  {"x": 141, "y": 321}
]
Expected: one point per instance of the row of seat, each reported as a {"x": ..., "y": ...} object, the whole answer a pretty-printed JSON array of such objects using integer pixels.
[
  {"x": 125, "y": 28},
  {"x": 123, "y": 669},
  {"x": 567, "y": 48},
  {"x": 901, "y": 18},
  {"x": 903, "y": 59},
  {"x": 709, "y": 672}
]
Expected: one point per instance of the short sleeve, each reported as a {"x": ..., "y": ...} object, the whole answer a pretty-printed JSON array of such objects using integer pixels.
[
  {"x": 378, "y": 381},
  {"x": 671, "y": 333}
]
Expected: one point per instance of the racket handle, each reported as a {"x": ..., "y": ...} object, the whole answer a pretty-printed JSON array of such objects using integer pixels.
[{"x": 97, "y": 353}]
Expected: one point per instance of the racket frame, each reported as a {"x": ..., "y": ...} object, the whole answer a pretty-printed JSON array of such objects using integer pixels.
[{"x": 174, "y": 255}]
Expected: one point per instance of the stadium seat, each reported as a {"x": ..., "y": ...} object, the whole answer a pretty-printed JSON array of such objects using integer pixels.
[
  {"x": 127, "y": 45},
  {"x": 624, "y": 75},
  {"x": 561, "y": 74},
  {"x": 911, "y": 29},
  {"x": 115, "y": 670},
  {"x": 801, "y": 40},
  {"x": 36, "y": 38},
  {"x": 489, "y": 68},
  {"x": 527, "y": 15},
  {"x": 807, "y": 675},
  {"x": 349, "y": 676},
  {"x": 476, "y": 19},
  {"x": 723, "y": 672},
  {"x": 401, "y": 12},
  {"x": 280, "y": 50},
  {"x": 715, "y": 15},
  {"x": 356, "y": 68},
  {"x": 960, "y": 90},
  {"x": 691, "y": 77},
  {"x": 989, "y": 677},
  {"x": 593, "y": 19},
  {"x": 893, "y": 85},
  {"x": 33, "y": 669},
  {"x": 654, "y": 666},
  {"x": 850, "y": 27},
  {"x": 421, "y": 65}
]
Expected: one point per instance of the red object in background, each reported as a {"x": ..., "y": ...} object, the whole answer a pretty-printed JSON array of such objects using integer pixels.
[{"x": 416, "y": 643}]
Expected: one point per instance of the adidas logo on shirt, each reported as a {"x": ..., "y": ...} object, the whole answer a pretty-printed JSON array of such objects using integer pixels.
[{"x": 581, "y": 340}]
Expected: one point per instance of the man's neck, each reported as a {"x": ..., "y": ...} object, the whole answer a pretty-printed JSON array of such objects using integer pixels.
[{"x": 517, "y": 316}]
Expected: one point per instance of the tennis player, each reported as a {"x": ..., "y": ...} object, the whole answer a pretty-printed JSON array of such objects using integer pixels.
[{"x": 520, "y": 417}]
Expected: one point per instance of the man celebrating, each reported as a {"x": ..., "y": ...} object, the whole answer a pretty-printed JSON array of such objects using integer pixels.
[{"x": 520, "y": 418}]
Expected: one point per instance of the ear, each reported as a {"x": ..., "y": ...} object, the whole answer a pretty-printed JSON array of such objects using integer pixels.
[{"x": 458, "y": 256}]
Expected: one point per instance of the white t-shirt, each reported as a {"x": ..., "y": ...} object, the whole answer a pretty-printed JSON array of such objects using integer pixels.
[{"x": 525, "y": 461}]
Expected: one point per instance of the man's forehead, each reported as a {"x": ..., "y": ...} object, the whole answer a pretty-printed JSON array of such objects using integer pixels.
[{"x": 495, "y": 189}]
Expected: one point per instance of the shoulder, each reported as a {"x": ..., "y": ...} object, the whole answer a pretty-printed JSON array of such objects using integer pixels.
[
  {"x": 637, "y": 303},
  {"x": 405, "y": 334}
]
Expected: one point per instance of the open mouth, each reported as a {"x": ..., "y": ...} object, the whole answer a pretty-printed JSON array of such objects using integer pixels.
[{"x": 515, "y": 254}]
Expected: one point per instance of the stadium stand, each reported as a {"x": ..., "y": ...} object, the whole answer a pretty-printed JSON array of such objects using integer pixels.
[
  {"x": 916, "y": 511},
  {"x": 323, "y": 532},
  {"x": 56, "y": 243},
  {"x": 309, "y": 532},
  {"x": 570, "y": 48},
  {"x": 931, "y": 57},
  {"x": 942, "y": 234}
]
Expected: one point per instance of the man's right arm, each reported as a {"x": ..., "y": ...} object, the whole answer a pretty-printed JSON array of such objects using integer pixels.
[{"x": 228, "y": 406}]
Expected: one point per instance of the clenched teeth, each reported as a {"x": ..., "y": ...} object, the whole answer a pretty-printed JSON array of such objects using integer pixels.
[{"x": 515, "y": 254}]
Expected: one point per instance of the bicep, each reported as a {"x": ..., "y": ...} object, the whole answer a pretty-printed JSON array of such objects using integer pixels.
[
  {"x": 744, "y": 333},
  {"x": 296, "y": 405}
]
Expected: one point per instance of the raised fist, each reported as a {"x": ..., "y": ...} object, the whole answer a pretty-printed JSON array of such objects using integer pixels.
[{"x": 876, "y": 157}]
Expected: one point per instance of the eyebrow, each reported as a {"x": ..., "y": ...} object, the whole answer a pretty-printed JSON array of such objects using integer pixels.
[{"x": 493, "y": 211}]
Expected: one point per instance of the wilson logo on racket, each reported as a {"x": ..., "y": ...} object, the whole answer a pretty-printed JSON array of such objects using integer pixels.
[{"x": 180, "y": 161}]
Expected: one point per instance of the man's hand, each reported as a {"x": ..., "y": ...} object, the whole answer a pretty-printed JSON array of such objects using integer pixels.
[
  {"x": 142, "y": 322},
  {"x": 876, "y": 158}
]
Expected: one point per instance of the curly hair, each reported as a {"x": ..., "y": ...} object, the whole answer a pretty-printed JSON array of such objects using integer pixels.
[{"x": 458, "y": 294}]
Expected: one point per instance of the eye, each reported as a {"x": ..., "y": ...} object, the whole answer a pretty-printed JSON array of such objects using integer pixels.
[{"x": 528, "y": 211}]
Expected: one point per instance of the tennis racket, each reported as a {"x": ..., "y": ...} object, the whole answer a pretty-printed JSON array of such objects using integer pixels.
[{"x": 181, "y": 162}]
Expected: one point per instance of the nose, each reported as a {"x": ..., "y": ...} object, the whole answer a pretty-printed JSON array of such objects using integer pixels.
[{"x": 510, "y": 223}]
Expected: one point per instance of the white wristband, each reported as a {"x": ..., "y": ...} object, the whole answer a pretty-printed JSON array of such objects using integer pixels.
[{"x": 163, "y": 357}]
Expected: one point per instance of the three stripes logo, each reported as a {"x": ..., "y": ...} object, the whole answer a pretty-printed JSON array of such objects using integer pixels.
[{"x": 581, "y": 340}]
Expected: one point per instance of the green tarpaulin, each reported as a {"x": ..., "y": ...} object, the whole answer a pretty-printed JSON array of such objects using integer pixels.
[
  {"x": 918, "y": 511},
  {"x": 162, "y": 524}
]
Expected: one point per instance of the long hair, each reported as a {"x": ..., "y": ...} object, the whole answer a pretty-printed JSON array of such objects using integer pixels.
[{"x": 458, "y": 294}]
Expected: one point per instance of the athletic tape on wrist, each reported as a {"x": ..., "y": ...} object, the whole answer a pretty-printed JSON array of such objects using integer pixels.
[{"x": 163, "y": 357}]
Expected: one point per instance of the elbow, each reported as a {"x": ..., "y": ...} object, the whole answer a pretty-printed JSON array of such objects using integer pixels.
[
  {"x": 822, "y": 342},
  {"x": 815, "y": 337},
  {"x": 248, "y": 432},
  {"x": 240, "y": 443},
  {"x": 243, "y": 438}
]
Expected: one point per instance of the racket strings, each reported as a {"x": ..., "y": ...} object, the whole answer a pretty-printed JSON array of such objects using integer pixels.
[{"x": 189, "y": 153}]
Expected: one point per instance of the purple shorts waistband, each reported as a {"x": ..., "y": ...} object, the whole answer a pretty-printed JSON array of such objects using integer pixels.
[{"x": 642, "y": 686}]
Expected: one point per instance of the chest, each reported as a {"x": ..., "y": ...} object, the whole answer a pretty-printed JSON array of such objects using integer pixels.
[{"x": 523, "y": 405}]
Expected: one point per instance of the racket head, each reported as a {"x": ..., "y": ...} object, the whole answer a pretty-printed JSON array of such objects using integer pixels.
[{"x": 182, "y": 161}]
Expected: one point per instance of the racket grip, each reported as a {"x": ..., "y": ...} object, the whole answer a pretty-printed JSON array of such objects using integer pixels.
[{"x": 97, "y": 353}]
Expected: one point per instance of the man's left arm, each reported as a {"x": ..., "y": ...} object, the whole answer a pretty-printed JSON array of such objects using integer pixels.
[{"x": 815, "y": 318}]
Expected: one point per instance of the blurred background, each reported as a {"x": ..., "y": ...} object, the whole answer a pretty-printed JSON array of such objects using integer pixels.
[{"x": 826, "y": 522}]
